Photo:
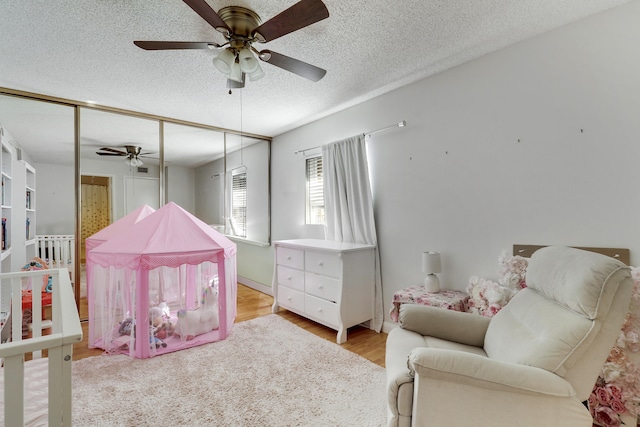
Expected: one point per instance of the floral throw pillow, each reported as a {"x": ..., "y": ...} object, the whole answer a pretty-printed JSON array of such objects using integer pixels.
[
  {"x": 617, "y": 390},
  {"x": 487, "y": 297}
]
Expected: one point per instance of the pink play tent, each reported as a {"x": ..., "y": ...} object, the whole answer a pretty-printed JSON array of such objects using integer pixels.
[
  {"x": 118, "y": 227},
  {"x": 167, "y": 283}
]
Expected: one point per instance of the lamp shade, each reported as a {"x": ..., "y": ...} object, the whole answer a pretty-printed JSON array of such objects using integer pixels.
[
  {"x": 236, "y": 73},
  {"x": 248, "y": 62},
  {"x": 133, "y": 161},
  {"x": 258, "y": 73},
  {"x": 431, "y": 262},
  {"x": 224, "y": 61}
]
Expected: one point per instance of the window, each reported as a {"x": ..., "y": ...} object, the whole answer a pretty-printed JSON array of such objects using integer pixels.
[
  {"x": 239, "y": 203},
  {"x": 315, "y": 190}
]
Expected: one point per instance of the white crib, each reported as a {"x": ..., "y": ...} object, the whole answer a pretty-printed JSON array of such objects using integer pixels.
[
  {"x": 65, "y": 330},
  {"x": 58, "y": 251}
]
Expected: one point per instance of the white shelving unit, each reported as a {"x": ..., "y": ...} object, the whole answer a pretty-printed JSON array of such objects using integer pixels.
[
  {"x": 30, "y": 210},
  {"x": 18, "y": 207},
  {"x": 23, "y": 214},
  {"x": 18, "y": 214},
  {"x": 6, "y": 165},
  {"x": 6, "y": 161}
]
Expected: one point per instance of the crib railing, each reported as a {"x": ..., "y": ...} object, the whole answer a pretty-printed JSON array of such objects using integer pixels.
[
  {"x": 58, "y": 251},
  {"x": 58, "y": 340}
]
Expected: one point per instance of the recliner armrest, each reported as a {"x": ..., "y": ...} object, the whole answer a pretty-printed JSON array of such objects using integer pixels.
[
  {"x": 483, "y": 372},
  {"x": 463, "y": 328}
]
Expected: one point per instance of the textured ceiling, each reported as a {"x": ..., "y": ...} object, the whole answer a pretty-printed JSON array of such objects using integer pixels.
[{"x": 83, "y": 51}]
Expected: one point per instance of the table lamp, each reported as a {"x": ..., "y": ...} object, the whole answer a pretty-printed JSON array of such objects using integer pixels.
[{"x": 431, "y": 266}]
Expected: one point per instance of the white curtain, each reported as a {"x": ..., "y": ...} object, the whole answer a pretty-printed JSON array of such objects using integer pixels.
[{"x": 349, "y": 205}]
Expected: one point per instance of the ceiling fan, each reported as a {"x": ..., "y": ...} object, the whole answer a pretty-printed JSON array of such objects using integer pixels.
[
  {"x": 242, "y": 28},
  {"x": 131, "y": 152}
]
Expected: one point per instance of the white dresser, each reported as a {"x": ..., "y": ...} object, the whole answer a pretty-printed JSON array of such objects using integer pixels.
[{"x": 332, "y": 283}]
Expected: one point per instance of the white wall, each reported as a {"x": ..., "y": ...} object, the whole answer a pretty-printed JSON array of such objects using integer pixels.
[
  {"x": 535, "y": 144},
  {"x": 55, "y": 199},
  {"x": 181, "y": 187},
  {"x": 209, "y": 190}
]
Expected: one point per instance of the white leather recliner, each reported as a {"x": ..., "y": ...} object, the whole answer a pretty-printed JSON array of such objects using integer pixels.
[{"x": 533, "y": 364}]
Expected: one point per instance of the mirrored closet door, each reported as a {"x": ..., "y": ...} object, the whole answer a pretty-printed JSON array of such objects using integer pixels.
[{"x": 69, "y": 169}]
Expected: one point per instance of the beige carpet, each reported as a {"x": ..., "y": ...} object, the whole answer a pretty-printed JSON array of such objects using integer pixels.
[{"x": 268, "y": 372}]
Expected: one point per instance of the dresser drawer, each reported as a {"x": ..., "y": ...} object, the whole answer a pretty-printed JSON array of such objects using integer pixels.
[
  {"x": 322, "y": 310},
  {"x": 293, "y": 258},
  {"x": 322, "y": 286},
  {"x": 291, "y": 278},
  {"x": 322, "y": 263},
  {"x": 290, "y": 298}
]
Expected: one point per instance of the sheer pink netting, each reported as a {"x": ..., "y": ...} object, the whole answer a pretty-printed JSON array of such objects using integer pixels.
[{"x": 165, "y": 282}]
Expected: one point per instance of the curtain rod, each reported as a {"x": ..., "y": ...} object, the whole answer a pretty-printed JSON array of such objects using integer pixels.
[{"x": 401, "y": 124}]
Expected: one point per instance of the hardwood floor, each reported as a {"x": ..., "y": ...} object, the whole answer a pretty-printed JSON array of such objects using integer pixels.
[{"x": 252, "y": 304}]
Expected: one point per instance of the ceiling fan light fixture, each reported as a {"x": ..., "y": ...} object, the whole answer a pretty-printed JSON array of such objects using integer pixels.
[
  {"x": 225, "y": 61},
  {"x": 133, "y": 161},
  {"x": 236, "y": 73},
  {"x": 258, "y": 73},
  {"x": 248, "y": 62},
  {"x": 232, "y": 84}
]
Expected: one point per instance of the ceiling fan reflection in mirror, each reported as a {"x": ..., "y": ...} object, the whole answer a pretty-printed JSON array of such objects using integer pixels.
[
  {"x": 242, "y": 27},
  {"x": 131, "y": 152}
]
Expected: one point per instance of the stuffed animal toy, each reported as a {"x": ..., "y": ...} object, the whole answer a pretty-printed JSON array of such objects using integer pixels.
[
  {"x": 39, "y": 264},
  {"x": 126, "y": 326},
  {"x": 200, "y": 320},
  {"x": 157, "y": 342},
  {"x": 160, "y": 323}
]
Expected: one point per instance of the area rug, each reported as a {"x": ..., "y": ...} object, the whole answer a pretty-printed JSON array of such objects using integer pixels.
[{"x": 268, "y": 372}]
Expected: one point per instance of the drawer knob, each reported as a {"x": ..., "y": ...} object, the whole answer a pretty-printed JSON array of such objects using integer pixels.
[
  {"x": 319, "y": 286},
  {"x": 289, "y": 258},
  {"x": 288, "y": 298},
  {"x": 319, "y": 310},
  {"x": 289, "y": 278},
  {"x": 320, "y": 264}
]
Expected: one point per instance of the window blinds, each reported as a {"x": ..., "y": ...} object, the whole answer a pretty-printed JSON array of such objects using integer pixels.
[
  {"x": 239, "y": 204},
  {"x": 315, "y": 191}
]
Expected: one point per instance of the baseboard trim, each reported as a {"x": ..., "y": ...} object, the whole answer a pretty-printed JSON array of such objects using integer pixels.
[
  {"x": 260, "y": 287},
  {"x": 388, "y": 326}
]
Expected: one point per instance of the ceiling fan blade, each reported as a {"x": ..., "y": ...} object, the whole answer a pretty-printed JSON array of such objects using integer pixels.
[
  {"x": 112, "y": 150},
  {"x": 300, "y": 15},
  {"x": 109, "y": 154},
  {"x": 295, "y": 66},
  {"x": 204, "y": 10},
  {"x": 160, "y": 45}
]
